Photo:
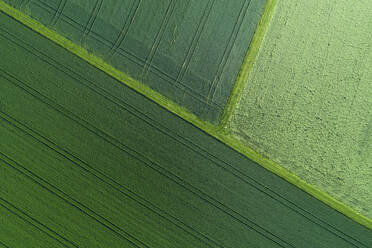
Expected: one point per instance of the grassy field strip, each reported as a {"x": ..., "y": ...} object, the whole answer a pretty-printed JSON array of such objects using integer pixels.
[
  {"x": 52, "y": 212},
  {"x": 15, "y": 221},
  {"x": 70, "y": 100},
  {"x": 111, "y": 206},
  {"x": 18, "y": 229},
  {"x": 154, "y": 179},
  {"x": 248, "y": 62},
  {"x": 182, "y": 161}
]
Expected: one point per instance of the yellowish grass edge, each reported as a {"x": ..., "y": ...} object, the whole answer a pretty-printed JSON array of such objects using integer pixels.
[
  {"x": 248, "y": 62},
  {"x": 215, "y": 131}
]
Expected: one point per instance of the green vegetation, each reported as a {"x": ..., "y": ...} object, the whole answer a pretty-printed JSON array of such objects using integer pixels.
[
  {"x": 248, "y": 62},
  {"x": 188, "y": 51},
  {"x": 307, "y": 104},
  {"x": 18, "y": 228}
]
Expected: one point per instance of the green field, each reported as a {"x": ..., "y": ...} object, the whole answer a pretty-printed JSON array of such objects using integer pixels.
[
  {"x": 307, "y": 104},
  {"x": 85, "y": 161},
  {"x": 176, "y": 47}
]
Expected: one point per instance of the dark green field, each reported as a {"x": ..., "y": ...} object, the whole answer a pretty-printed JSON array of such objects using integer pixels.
[{"x": 87, "y": 162}]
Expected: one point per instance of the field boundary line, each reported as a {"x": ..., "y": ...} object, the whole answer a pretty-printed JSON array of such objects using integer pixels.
[
  {"x": 227, "y": 54},
  {"x": 248, "y": 62},
  {"x": 35, "y": 223}
]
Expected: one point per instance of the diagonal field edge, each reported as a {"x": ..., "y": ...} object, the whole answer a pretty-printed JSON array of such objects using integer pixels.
[{"x": 217, "y": 131}]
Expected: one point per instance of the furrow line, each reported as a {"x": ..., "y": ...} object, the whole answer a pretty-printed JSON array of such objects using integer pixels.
[
  {"x": 71, "y": 201},
  {"x": 37, "y": 224},
  {"x": 108, "y": 181},
  {"x": 149, "y": 163}
]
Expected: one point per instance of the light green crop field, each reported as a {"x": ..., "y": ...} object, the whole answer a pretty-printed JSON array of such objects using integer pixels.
[{"x": 307, "y": 104}]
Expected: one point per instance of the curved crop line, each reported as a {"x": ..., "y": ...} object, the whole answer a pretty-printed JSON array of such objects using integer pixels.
[
  {"x": 92, "y": 19},
  {"x": 57, "y": 15},
  {"x": 159, "y": 36},
  {"x": 35, "y": 223},
  {"x": 124, "y": 30},
  {"x": 100, "y": 176},
  {"x": 128, "y": 55},
  {"x": 24, "y": 3},
  {"x": 149, "y": 163},
  {"x": 215, "y": 131},
  {"x": 216, "y": 161},
  {"x": 195, "y": 40},
  {"x": 228, "y": 50}
]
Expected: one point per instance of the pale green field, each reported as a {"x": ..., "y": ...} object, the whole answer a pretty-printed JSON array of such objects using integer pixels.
[{"x": 308, "y": 102}]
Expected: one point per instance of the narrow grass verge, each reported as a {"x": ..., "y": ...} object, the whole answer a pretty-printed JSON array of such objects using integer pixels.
[{"x": 248, "y": 62}]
